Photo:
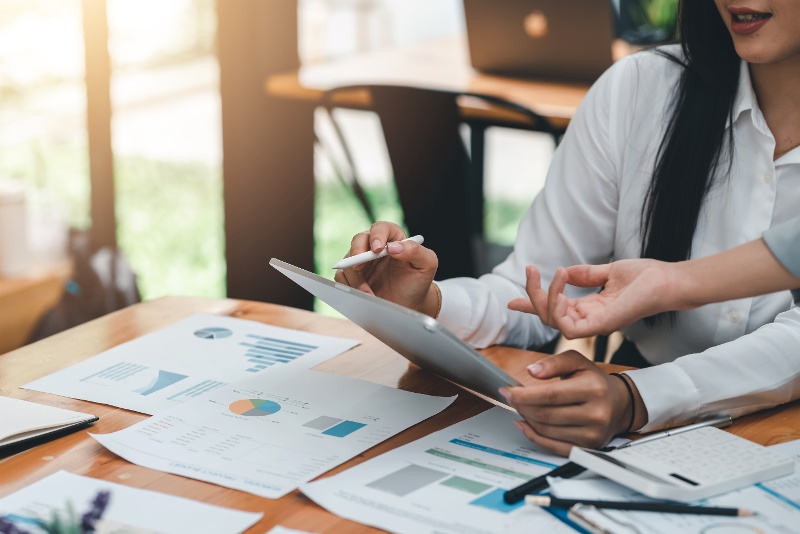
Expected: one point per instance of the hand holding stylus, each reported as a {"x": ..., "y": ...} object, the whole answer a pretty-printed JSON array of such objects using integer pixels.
[
  {"x": 404, "y": 277},
  {"x": 358, "y": 259}
]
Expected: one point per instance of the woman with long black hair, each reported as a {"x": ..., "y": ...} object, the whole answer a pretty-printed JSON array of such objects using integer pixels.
[{"x": 676, "y": 153}]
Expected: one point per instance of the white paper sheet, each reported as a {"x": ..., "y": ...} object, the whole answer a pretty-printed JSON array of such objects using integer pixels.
[
  {"x": 451, "y": 481},
  {"x": 130, "y": 510},
  {"x": 274, "y": 431},
  {"x": 187, "y": 360},
  {"x": 777, "y": 503}
]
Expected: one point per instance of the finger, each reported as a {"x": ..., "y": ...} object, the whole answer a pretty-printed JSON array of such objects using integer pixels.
[
  {"x": 588, "y": 275},
  {"x": 382, "y": 232},
  {"x": 559, "y": 447},
  {"x": 521, "y": 305},
  {"x": 558, "y": 393},
  {"x": 566, "y": 318},
  {"x": 533, "y": 287},
  {"x": 556, "y": 288},
  {"x": 355, "y": 280},
  {"x": 560, "y": 365},
  {"x": 419, "y": 257},
  {"x": 567, "y": 415},
  {"x": 359, "y": 244},
  {"x": 584, "y": 436}
]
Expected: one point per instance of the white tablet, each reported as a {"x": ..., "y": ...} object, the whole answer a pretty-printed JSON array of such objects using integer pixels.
[{"x": 417, "y": 337}]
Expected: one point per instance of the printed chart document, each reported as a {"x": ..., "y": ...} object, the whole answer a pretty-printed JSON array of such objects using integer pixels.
[
  {"x": 23, "y": 421},
  {"x": 777, "y": 503},
  {"x": 274, "y": 431},
  {"x": 450, "y": 481},
  {"x": 187, "y": 360},
  {"x": 129, "y": 510}
]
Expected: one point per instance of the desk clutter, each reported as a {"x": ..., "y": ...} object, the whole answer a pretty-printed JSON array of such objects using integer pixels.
[{"x": 235, "y": 403}]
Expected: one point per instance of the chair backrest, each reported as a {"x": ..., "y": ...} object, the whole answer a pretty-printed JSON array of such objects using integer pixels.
[{"x": 432, "y": 168}]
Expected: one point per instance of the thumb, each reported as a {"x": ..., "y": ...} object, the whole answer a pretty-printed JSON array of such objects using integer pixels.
[
  {"x": 588, "y": 275},
  {"x": 559, "y": 365}
]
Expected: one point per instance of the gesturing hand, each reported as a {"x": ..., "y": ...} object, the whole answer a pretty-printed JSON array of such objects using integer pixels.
[
  {"x": 586, "y": 407},
  {"x": 632, "y": 289}
]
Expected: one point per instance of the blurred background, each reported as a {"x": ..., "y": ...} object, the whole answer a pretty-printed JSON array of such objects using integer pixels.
[{"x": 115, "y": 116}]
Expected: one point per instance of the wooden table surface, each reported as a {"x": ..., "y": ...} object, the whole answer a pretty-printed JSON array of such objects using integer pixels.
[
  {"x": 373, "y": 361},
  {"x": 438, "y": 64}
]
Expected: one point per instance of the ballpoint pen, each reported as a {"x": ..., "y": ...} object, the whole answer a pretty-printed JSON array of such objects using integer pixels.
[
  {"x": 719, "y": 422},
  {"x": 662, "y": 507},
  {"x": 571, "y": 469},
  {"x": 364, "y": 257}
]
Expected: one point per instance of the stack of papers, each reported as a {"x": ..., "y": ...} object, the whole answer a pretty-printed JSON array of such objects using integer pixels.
[
  {"x": 451, "y": 481},
  {"x": 274, "y": 431},
  {"x": 187, "y": 360}
]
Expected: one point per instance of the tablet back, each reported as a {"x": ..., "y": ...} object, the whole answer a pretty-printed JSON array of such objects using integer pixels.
[{"x": 417, "y": 337}]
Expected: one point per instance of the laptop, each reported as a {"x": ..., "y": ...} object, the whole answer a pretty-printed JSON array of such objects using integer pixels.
[
  {"x": 566, "y": 40},
  {"x": 417, "y": 337}
]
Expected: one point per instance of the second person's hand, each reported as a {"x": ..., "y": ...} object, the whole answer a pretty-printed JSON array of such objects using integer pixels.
[
  {"x": 631, "y": 290},
  {"x": 404, "y": 277}
]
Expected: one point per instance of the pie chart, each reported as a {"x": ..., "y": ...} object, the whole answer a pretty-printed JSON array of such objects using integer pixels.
[
  {"x": 254, "y": 407},
  {"x": 213, "y": 332}
]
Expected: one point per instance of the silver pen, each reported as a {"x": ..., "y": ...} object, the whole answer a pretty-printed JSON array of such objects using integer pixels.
[{"x": 719, "y": 422}]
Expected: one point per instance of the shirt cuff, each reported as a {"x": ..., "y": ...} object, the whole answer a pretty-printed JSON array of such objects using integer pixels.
[
  {"x": 456, "y": 311},
  {"x": 670, "y": 396}
]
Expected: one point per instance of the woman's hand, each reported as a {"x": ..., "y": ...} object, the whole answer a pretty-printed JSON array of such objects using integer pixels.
[
  {"x": 404, "y": 277},
  {"x": 632, "y": 289},
  {"x": 586, "y": 407}
]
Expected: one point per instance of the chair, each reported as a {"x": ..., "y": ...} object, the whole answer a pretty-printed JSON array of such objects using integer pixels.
[{"x": 439, "y": 183}]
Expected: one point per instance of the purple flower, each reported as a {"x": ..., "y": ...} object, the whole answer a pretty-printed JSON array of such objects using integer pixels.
[
  {"x": 99, "y": 505},
  {"x": 7, "y": 527}
]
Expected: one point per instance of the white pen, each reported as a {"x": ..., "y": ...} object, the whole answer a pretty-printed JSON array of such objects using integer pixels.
[
  {"x": 364, "y": 257},
  {"x": 719, "y": 422}
]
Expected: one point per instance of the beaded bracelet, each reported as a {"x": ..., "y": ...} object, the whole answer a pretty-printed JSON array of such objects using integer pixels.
[{"x": 632, "y": 399}]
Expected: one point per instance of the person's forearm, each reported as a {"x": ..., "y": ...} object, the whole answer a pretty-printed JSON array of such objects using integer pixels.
[{"x": 744, "y": 271}]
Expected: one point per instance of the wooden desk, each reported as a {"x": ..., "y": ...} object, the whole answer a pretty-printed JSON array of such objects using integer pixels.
[{"x": 372, "y": 361}]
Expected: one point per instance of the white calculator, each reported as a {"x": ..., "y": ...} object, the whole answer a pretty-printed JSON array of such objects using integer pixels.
[{"x": 688, "y": 466}]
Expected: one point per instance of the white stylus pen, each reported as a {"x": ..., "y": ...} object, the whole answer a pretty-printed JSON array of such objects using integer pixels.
[{"x": 364, "y": 257}]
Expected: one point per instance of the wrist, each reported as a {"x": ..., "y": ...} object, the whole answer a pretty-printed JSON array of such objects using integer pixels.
[
  {"x": 624, "y": 418},
  {"x": 684, "y": 290},
  {"x": 632, "y": 412},
  {"x": 433, "y": 301}
]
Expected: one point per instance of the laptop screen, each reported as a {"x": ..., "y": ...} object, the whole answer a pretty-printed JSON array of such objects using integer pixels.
[{"x": 556, "y": 39}]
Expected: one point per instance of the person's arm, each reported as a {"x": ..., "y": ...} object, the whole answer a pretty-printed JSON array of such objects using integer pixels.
[
  {"x": 756, "y": 371},
  {"x": 784, "y": 241},
  {"x": 633, "y": 289}
]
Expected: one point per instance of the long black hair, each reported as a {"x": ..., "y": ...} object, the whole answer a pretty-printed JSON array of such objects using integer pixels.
[{"x": 695, "y": 141}]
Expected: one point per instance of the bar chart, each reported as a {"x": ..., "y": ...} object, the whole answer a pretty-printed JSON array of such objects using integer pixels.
[
  {"x": 332, "y": 426},
  {"x": 263, "y": 352}
]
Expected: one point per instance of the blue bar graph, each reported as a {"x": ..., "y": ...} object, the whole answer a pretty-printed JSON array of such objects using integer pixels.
[
  {"x": 504, "y": 454},
  {"x": 263, "y": 352},
  {"x": 345, "y": 428},
  {"x": 494, "y": 501}
]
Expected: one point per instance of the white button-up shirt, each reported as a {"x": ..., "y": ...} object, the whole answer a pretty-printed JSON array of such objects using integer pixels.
[{"x": 733, "y": 357}]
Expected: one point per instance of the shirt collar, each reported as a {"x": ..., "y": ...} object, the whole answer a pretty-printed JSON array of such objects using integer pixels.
[{"x": 746, "y": 100}]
